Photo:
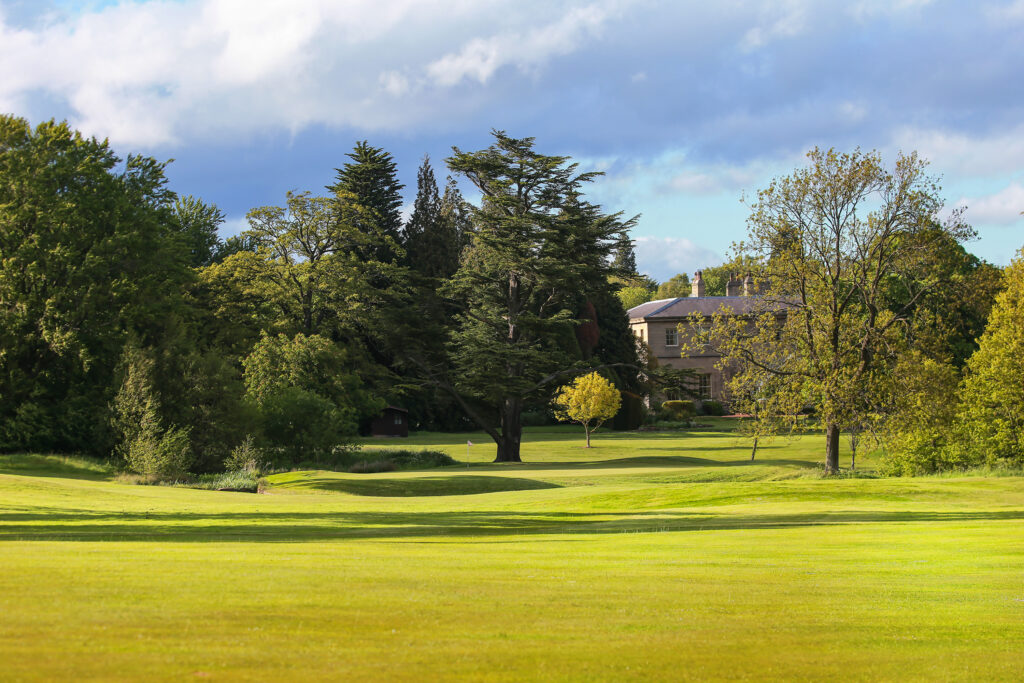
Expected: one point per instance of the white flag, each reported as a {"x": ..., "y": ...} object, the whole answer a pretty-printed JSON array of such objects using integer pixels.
[{"x": 469, "y": 443}]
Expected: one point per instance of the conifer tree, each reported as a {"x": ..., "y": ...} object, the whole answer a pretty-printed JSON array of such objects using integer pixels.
[{"x": 370, "y": 181}]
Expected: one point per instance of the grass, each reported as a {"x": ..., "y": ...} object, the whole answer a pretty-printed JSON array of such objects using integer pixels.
[{"x": 656, "y": 555}]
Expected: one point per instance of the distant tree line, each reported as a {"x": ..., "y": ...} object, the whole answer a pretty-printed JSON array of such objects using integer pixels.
[{"x": 129, "y": 326}]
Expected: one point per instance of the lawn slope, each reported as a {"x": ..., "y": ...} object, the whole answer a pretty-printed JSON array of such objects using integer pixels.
[{"x": 650, "y": 556}]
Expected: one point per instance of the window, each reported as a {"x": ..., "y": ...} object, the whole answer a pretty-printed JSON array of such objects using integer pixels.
[
  {"x": 398, "y": 419},
  {"x": 671, "y": 336},
  {"x": 704, "y": 386}
]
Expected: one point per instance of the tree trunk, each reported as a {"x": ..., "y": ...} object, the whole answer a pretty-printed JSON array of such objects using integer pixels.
[
  {"x": 831, "y": 449},
  {"x": 511, "y": 431},
  {"x": 753, "y": 452},
  {"x": 586, "y": 428}
]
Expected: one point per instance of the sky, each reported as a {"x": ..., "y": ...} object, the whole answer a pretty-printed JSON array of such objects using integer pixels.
[{"x": 687, "y": 107}]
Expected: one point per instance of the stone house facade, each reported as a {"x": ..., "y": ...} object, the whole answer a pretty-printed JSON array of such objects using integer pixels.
[{"x": 657, "y": 323}]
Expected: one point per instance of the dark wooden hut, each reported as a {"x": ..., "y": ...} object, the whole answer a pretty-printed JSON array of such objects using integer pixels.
[{"x": 392, "y": 421}]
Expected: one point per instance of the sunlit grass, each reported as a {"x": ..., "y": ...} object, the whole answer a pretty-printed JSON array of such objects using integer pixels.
[{"x": 665, "y": 556}]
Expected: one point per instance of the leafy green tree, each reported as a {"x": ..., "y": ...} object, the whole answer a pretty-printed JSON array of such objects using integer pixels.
[
  {"x": 676, "y": 286},
  {"x": 630, "y": 297},
  {"x": 831, "y": 236},
  {"x": 991, "y": 419},
  {"x": 309, "y": 401},
  {"x": 536, "y": 245},
  {"x": 918, "y": 424},
  {"x": 370, "y": 182},
  {"x": 89, "y": 255},
  {"x": 952, "y": 292},
  {"x": 197, "y": 224},
  {"x": 588, "y": 400}
]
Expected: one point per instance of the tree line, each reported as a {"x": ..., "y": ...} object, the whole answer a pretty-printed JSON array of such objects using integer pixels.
[{"x": 128, "y": 326}]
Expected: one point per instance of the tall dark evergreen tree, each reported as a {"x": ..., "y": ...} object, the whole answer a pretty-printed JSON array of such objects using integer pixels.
[
  {"x": 625, "y": 257},
  {"x": 432, "y": 234},
  {"x": 370, "y": 181},
  {"x": 537, "y": 244}
]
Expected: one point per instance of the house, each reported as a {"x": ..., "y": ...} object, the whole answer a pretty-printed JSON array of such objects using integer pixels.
[{"x": 657, "y": 324}]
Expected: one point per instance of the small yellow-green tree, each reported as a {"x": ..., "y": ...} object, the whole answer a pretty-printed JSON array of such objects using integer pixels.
[{"x": 589, "y": 400}]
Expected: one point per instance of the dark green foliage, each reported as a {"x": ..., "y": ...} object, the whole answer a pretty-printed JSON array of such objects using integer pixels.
[
  {"x": 949, "y": 297},
  {"x": 90, "y": 254},
  {"x": 624, "y": 260},
  {"x": 433, "y": 236},
  {"x": 713, "y": 408},
  {"x": 300, "y": 426},
  {"x": 309, "y": 404},
  {"x": 370, "y": 181},
  {"x": 401, "y": 458},
  {"x": 631, "y": 414},
  {"x": 197, "y": 224},
  {"x": 536, "y": 246}
]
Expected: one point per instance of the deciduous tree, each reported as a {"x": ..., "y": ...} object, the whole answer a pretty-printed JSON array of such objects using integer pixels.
[
  {"x": 588, "y": 400},
  {"x": 832, "y": 236}
]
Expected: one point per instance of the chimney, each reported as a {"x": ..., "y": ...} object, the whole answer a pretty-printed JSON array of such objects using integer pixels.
[
  {"x": 732, "y": 287},
  {"x": 697, "y": 286},
  {"x": 748, "y": 285}
]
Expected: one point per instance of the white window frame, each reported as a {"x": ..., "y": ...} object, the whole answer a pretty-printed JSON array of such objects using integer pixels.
[
  {"x": 704, "y": 386},
  {"x": 671, "y": 336}
]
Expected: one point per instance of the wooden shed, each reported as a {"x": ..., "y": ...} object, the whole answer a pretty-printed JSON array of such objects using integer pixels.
[{"x": 392, "y": 421}]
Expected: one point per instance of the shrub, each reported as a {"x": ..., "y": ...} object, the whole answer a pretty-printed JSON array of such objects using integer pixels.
[
  {"x": 229, "y": 481},
  {"x": 713, "y": 408},
  {"x": 165, "y": 456},
  {"x": 245, "y": 457},
  {"x": 403, "y": 459},
  {"x": 301, "y": 426},
  {"x": 679, "y": 410},
  {"x": 373, "y": 466}
]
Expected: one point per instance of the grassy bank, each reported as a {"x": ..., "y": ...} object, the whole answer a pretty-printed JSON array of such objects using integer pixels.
[{"x": 654, "y": 555}]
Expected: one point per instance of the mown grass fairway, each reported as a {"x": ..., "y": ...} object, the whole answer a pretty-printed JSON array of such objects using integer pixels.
[{"x": 651, "y": 556}]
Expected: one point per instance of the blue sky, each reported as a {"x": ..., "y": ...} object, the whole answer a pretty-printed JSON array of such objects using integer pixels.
[{"x": 686, "y": 106}]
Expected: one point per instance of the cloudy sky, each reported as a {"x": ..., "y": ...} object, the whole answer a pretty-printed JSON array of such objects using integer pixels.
[{"x": 685, "y": 106}]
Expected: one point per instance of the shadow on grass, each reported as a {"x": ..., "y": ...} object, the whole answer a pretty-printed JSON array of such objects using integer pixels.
[
  {"x": 459, "y": 485},
  {"x": 63, "y": 467},
  {"x": 655, "y": 461},
  {"x": 303, "y": 527}
]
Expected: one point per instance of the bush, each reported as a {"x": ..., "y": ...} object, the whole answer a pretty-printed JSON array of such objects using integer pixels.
[
  {"x": 246, "y": 457},
  {"x": 230, "y": 481},
  {"x": 403, "y": 459},
  {"x": 165, "y": 456},
  {"x": 713, "y": 408},
  {"x": 373, "y": 466},
  {"x": 679, "y": 410},
  {"x": 301, "y": 426}
]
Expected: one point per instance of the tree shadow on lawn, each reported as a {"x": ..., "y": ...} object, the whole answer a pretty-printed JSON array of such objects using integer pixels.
[
  {"x": 307, "y": 527},
  {"x": 458, "y": 485},
  {"x": 658, "y": 461}
]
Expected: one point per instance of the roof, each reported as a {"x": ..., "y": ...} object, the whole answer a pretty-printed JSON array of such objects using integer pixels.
[{"x": 682, "y": 307}]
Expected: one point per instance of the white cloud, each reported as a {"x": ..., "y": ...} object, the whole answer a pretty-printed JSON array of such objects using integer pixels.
[
  {"x": 962, "y": 154},
  {"x": 663, "y": 257},
  {"x": 153, "y": 73},
  {"x": 480, "y": 58},
  {"x": 1002, "y": 208},
  {"x": 777, "y": 21}
]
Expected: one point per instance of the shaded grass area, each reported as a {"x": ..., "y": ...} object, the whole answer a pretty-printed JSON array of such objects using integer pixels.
[{"x": 654, "y": 556}]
